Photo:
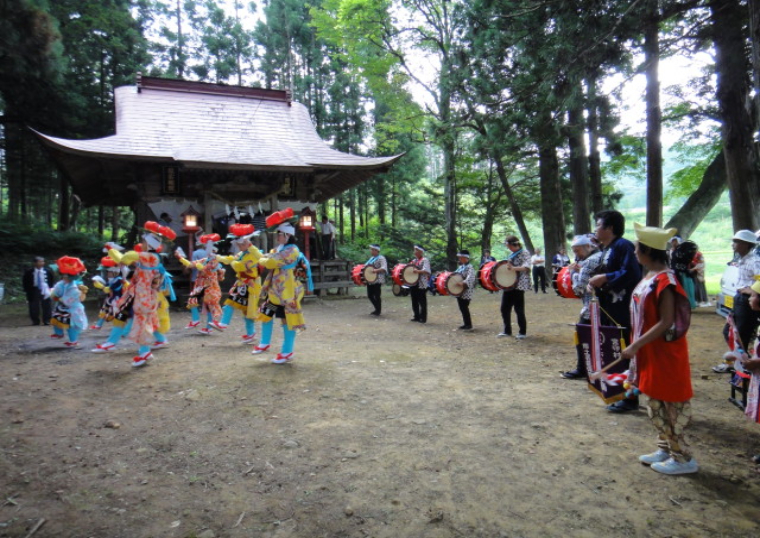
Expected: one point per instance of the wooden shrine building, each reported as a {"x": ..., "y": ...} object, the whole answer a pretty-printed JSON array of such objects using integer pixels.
[
  {"x": 207, "y": 145},
  {"x": 183, "y": 146}
]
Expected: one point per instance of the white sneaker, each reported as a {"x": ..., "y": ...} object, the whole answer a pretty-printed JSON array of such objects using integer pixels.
[
  {"x": 205, "y": 330},
  {"x": 520, "y": 337},
  {"x": 673, "y": 467},
  {"x": 282, "y": 358},
  {"x": 248, "y": 338},
  {"x": 160, "y": 345},
  {"x": 103, "y": 348},
  {"x": 192, "y": 325},
  {"x": 502, "y": 335},
  {"x": 218, "y": 326},
  {"x": 723, "y": 368},
  {"x": 655, "y": 457},
  {"x": 259, "y": 349}
]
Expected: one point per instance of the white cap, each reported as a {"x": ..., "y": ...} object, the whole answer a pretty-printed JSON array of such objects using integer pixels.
[
  {"x": 748, "y": 236},
  {"x": 581, "y": 241}
]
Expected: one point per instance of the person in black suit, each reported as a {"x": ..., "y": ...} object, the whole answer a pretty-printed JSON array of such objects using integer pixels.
[{"x": 37, "y": 282}]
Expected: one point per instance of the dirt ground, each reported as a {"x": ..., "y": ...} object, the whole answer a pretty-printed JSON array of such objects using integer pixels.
[{"x": 380, "y": 428}]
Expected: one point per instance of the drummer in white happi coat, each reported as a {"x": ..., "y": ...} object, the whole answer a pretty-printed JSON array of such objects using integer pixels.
[
  {"x": 379, "y": 266},
  {"x": 468, "y": 281}
]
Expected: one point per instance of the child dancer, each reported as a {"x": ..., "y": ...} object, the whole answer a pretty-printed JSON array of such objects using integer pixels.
[
  {"x": 145, "y": 289},
  {"x": 244, "y": 294},
  {"x": 206, "y": 293},
  {"x": 112, "y": 286},
  {"x": 282, "y": 290},
  {"x": 660, "y": 315},
  {"x": 122, "y": 318},
  {"x": 68, "y": 295}
]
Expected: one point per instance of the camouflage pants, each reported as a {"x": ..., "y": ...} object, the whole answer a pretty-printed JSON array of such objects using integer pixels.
[{"x": 670, "y": 419}]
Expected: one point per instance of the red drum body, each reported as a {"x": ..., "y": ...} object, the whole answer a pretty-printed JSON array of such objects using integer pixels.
[
  {"x": 396, "y": 273},
  {"x": 564, "y": 284},
  {"x": 440, "y": 282},
  {"x": 357, "y": 275},
  {"x": 495, "y": 276}
]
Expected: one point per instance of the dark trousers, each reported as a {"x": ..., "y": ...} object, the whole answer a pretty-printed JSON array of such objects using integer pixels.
[
  {"x": 509, "y": 300},
  {"x": 619, "y": 313},
  {"x": 373, "y": 294},
  {"x": 539, "y": 275},
  {"x": 745, "y": 319},
  {"x": 37, "y": 304},
  {"x": 464, "y": 308},
  {"x": 419, "y": 303},
  {"x": 327, "y": 247}
]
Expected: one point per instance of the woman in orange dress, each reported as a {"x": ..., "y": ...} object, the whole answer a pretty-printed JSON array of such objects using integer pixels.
[{"x": 660, "y": 315}]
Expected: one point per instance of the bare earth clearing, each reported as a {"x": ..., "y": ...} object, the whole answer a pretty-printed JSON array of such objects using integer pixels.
[{"x": 380, "y": 428}]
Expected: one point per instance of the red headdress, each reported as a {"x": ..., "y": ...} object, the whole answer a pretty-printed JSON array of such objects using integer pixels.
[
  {"x": 241, "y": 230},
  {"x": 158, "y": 229},
  {"x": 68, "y": 265},
  {"x": 106, "y": 261},
  {"x": 209, "y": 238},
  {"x": 278, "y": 217}
]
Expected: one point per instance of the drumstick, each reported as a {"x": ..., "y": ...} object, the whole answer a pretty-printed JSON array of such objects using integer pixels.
[{"x": 597, "y": 375}]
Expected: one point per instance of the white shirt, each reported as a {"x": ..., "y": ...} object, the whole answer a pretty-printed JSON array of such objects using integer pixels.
[
  {"x": 327, "y": 228},
  {"x": 537, "y": 260}
]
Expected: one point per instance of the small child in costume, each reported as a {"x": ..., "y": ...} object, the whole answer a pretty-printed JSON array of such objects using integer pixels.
[
  {"x": 111, "y": 283},
  {"x": 68, "y": 295},
  {"x": 206, "y": 293},
  {"x": 283, "y": 291},
  {"x": 660, "y": 316},
  {"x": 145, "y": 289},
  {"x": 244, "y": 294},
  {"x": 122, "y": 315}
]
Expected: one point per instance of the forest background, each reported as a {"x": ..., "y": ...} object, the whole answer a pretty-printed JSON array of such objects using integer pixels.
[{"x": 508, "y": 112}]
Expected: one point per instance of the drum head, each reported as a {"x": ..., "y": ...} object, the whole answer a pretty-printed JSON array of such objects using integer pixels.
[
  {"x": 408, "y": 275},
  {"x": 455, "y": 284},
  {"x": 370, "y": 276},
  {"x": 504, "y": 277}
]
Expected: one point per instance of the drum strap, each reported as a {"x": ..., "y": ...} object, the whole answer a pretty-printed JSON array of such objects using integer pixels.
[
  {"x": 461, "y": 268},
  {"x": 514, "y": 254},
  {"x": 371, "y": 261}
]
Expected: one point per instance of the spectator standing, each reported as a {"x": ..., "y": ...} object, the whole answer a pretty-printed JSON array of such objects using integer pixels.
[
  {"x": 560, "y": 260},
  {"x": 617, "y": 276},
  {"x": 588, "y": 258},
  {"x": 746, "y": 320},
  {"x": 539, "y": 271},
  {"x": 37, "y": 282},
  {"x": 697, "y": 270},
  {"x": 327, "y": 231}
]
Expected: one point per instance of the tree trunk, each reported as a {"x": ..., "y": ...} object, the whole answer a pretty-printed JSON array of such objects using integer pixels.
[
  {"x": 754, "y": 37},
  {"x": 736, "y": 121},
  {"x": 701, "y": 200},
  {"x": 14, "y": 164},
  {"x": 514, "y": 207},
  {"x": 578, "y": 169},
  {"x": 115, "y": 224},
  {"x": 64, "y": 221},
  {"x": 551, "y": 196},
  {"x": 654, "y": 115},
  {"x": 594, "y": 159}
]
